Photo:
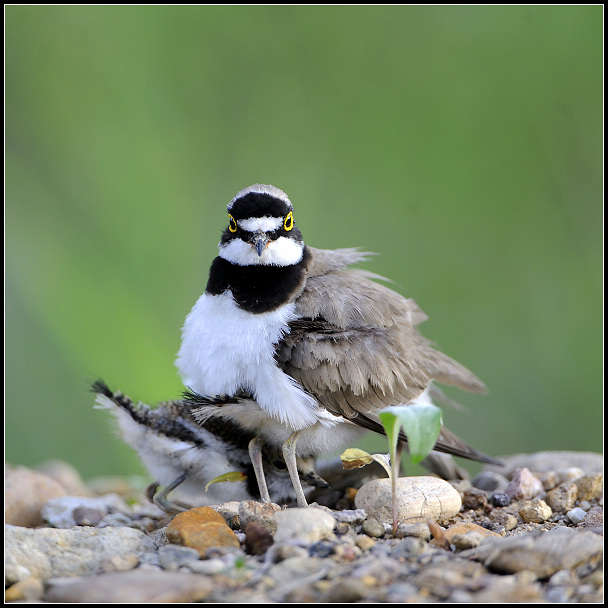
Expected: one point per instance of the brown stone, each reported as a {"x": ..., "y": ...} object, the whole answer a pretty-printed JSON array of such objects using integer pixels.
[
  {"x": 25, "y": 493},
  {"x": 200, "y": 530}
]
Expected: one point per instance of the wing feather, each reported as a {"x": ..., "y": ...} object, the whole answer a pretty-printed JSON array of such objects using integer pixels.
[{"x": 355, "y": 345}]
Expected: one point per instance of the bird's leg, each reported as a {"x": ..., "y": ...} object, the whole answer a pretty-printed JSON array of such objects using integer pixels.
[
  {"x": 255, "y": 453},
  {"x": 289, "y": 455},
  {"x": 161, "y": 500}
]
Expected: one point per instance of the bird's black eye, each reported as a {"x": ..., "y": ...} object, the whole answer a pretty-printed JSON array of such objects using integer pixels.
[
  {"x": 279, "y": 465},
  {"x": 232, "y": 224},
  {"x": 288, "y": 223}
]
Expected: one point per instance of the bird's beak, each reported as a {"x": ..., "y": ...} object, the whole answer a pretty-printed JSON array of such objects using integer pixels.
[{"x": 260, "y": 241}]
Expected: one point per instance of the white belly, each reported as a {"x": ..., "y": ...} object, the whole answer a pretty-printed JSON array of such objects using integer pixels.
[{"x": 225, "y": 349}]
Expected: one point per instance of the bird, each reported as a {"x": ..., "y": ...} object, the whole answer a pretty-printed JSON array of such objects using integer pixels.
[
  {"x": 314, "y": 347},
  {"x": 183, "y": 456}
]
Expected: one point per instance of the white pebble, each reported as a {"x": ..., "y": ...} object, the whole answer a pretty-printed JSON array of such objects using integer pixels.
[{"x": 418, "y": 499}]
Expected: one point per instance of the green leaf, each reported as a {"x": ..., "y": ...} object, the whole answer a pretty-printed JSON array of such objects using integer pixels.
[
  {"x": 232, "y": 476},
  {"x": 421, "y": 424}
]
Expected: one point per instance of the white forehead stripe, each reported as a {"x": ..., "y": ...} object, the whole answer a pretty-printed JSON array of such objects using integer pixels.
[
  {"x": 262, "y": 189},
  {"x": 265, "y": 224}
]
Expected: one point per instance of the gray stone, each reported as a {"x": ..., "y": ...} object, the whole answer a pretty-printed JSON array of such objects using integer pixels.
[
  {"x": 576, "y": 515},
  {"x": 543, "y": 553},
  {"x": 65, "y": 511},
  {"x": 588, "y": 462},
  {"x": 173, "y": 557},
  {"x": 48, "y": 552},
  {"x": 490, "y": 481},
  {"x": 138, "y": 586}
]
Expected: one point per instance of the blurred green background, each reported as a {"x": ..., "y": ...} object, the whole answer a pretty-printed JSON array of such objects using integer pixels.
[{"x": 462, "y": 143}]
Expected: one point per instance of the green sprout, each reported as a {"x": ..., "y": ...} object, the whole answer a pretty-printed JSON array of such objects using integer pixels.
[{"x": 421, "y": 424}]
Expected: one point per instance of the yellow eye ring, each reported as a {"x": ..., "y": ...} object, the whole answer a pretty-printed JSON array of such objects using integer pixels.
[
  {"x": 288, "y": 223},
  {"x": 232, "y": 224}
]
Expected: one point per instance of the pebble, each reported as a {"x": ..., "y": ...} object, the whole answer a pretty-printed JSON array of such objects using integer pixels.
[
  {"x": 49, "y": 552},
  {"x": 474, "y": 498},
  {"x": 553, "y": 561},
  {"x": 201, "y": 528},
  {"x": 535, "y": 511},
  {"x": 542, "y": 553},
  {"x": 590, "y": 486},
  {"x": 558, "y": 461},
  {"x": 595, "y": 518},
  {"x": 524, "y": 485},
  {"x": 27, "y": 589},
  {"x": 70, "y": 511},
  {"x": 136, "y": 587},
  {"x": 419, "y": 530},
  {"x": 490, "y": 481},
  {"x": 563, "y": 497},
  {"x": 257, "y": 539},
  {"x": 262, "y": 513},
  {"x": 174, "y": 557},
  {"x": 418, "y": 499},
  {"x": 576, "y": 515},
  {"x": 305, "y": 523},
  {"x": 25, "y": 493},
  {"x": 372, "y": 527}
]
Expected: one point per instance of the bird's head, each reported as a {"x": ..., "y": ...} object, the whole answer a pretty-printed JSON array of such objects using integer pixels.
[{"x": 261, "y": 229}]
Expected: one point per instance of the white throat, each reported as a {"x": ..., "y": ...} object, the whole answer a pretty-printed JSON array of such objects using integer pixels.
[{"x": 282, "y": 252}]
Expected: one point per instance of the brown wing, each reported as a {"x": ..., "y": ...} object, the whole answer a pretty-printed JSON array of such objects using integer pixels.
[{"x": 355, "y": 346}]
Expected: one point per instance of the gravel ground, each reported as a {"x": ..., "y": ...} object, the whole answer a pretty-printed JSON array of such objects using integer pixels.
[{"x": 531, "y": 531}]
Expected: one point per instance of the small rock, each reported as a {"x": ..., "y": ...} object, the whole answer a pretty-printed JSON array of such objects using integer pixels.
[
  {"x": 543, "y": 553},
  {"x": 49, "y": 552},
  {"x": 408, "y": 547},
  {"x": 563, "y": 497},
  {"x": 590, "y": 486},
  {"x": 173, "y": 557},
  {"x": 595, "y": 517},
  {"x": 499, "y": 499},
  {"x": 364, "y": 542},
  {"x": 462, "y": 529},
  {"x": 136, "y": 587},
  {"x": 467, "y": 540},
  {"x": 418, "y": 499},
  {"x": 30, "y": 589},
  {"x": 523, "y": 485},
  {"x": 230, "y": 512},
  {"x": 257, "y": 539},
  {"x": 344, "y": 591},
  {"x": 262, "y": 513},
  {"x": 67, "y": 511},
  {"x": 201, "y": 529},
  {"x": 307, "y": 524},
  {"x": 587, "y": 462},
  {"x": 506, "y": 520},
  {"x": 25, "y": 493},
  {"x": 576, "y": 516},
  {"x": 349, "y": 516},
  {"x": 372, "y": 527},
  {"x": 474, "y": 499},
  {"x": 490, "y": 481},
  {"x": 418, "y": 530},
  {"x": 535, "y": 511}
]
